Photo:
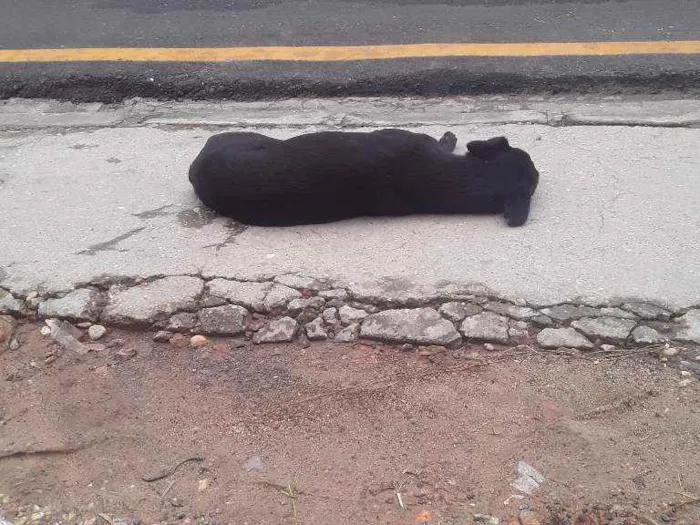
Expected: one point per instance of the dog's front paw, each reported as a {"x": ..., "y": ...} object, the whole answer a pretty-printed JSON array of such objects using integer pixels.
[{"x": 448, "y": 142}]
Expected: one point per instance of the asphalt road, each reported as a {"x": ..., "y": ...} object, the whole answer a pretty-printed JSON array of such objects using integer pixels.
[
  {"x": 196, "y": 23},
  {"x": 45, "y": 24}
]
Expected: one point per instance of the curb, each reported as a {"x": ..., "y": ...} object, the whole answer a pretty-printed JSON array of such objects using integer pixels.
[
  {"x": 290, "y": 306},
  {"x": 352, "y": 113},
  {"x": 110, "y": 82}
]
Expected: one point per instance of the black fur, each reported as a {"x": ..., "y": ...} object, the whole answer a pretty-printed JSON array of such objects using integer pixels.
[{"x": 330, "y": 176}]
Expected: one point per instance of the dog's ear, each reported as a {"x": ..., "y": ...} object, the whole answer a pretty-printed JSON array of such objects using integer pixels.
[{"x": 488, "y": 149}]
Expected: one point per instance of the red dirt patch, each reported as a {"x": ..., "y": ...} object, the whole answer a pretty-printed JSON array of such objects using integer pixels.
[{"x": 354, "y": 426}]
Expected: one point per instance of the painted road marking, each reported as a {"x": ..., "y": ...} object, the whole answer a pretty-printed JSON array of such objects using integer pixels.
[{"x": 349, "y": 53}]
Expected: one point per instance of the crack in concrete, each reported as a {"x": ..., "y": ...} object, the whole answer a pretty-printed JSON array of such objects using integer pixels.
[
  {"x": 234, "y": 230},
  {"x": 84, "y": 146},
  {"x": 110, "y": 245},
  {"x": 215, "y": 127},
  {"x": 163, "y": 211}
]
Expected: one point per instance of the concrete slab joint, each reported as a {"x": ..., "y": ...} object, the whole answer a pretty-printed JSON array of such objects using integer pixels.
[{"x": 281, "y": 308}]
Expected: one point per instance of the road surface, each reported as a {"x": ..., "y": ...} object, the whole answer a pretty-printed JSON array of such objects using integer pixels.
[{"x": 300, "y": 27}]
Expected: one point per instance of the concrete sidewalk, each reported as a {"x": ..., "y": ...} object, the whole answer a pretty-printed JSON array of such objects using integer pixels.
[{"x": 91, "y": 193}]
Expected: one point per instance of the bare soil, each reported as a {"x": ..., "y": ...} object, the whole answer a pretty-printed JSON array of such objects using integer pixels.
[{"x": 341, "y": 434}]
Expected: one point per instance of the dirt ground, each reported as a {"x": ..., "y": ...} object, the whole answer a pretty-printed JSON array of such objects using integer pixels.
[{"x": 342, "y": 434}]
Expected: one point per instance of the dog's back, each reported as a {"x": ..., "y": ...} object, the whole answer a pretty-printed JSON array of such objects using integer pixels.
[
  {"x": 329, "y": 176},
  {"x": 311, "y": 178}
]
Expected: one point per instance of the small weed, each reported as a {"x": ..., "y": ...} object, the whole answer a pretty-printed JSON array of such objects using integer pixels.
[{"x": 291, "y": 492}]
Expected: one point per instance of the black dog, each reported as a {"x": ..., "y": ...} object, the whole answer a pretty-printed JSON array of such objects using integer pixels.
[{"x": 330, "y": 176}]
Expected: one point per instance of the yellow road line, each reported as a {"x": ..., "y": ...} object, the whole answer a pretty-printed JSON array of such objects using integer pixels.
[{"x": 349, "y": 53}]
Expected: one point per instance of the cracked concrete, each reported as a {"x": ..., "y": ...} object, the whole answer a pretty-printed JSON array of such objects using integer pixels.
[
  {"x": 110, "y": 245},
  {"x": 186, "y": 304},
  {"x": 73, "y": 215}
]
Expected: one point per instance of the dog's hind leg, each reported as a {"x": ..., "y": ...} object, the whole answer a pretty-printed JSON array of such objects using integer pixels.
[
  {"x": 448, "y": 142},
  {"x": 516, "y": 208}
]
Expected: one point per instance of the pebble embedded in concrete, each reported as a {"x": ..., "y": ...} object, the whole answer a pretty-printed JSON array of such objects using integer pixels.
[
  {"x": 296, "y": 306},
  {"x": 608, "y": 328},
  {"x": 419, "y": 325},
  {"x": 567, "y": 312},
  {"x": 315, "y": 330},
  {"x": 349, "y": 315},
  {"x": 542, "y": 320},
  {"x": 518, "y": 331},
  {"x": 9, "y": 304},
  {"x": 336, "y": 293},
  {"x": 79, "y": 305},
  {"x": 182, "y": 321},
  {"x": 278, "y": 331},
  {"x": 457, "y": 310},
  {"x": 210, "y": 301},
  {"x": 690, "y": 327},
  {"x": 486, "y": 326},
  {"x": 616, "y": 312},
  {"x": 510, "y": 310},
  {"x": 647, "y": 335},
  {"x": 278, "y": 297},
  {"x": 348, "y": 334},
  {"x": 648, "y": 311},
  {"x": 330, "y": 316},
  {"x": 229, "y": 319},
  {"x": 250, "y": 295},
  {"x": 143, "y": 304},
  {"x": 557, "y": 337}
]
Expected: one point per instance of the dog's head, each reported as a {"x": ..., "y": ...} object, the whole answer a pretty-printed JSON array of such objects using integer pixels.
[{"x": 515, "y": 164}]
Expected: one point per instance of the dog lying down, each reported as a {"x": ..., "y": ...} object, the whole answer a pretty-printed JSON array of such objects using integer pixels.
[{"x": 331, "y": 176}]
